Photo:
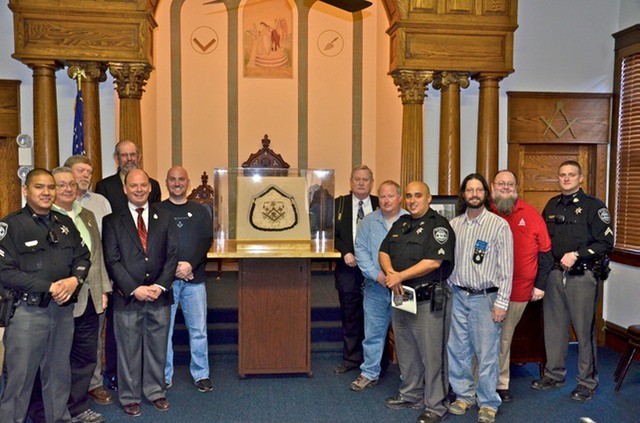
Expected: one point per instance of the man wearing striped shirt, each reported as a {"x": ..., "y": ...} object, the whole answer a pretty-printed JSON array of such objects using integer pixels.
[{"x": 483, "y": 274}]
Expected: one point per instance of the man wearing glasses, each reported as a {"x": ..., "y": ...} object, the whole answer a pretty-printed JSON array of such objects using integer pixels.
[
  {"x": 43, "y": 260},
  {"x": 481, "y": 284},
  {"x": 531, "y": 265}
]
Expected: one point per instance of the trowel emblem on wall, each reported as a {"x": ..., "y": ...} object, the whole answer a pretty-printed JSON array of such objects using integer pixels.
[{"x": 330, "y": 43}]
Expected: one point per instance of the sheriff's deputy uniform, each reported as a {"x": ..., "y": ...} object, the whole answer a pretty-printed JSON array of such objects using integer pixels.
[
  {"x": 35, "y": 251},
  {"x": 421, "y": 338},
  {"x": 581, "y": 224}
]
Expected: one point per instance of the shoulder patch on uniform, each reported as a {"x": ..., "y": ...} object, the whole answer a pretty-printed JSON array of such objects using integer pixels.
[
  {"x": 441, "y": 234},
  {"x": 4, "y": 228},
  {"x": 604, "y": 215}
]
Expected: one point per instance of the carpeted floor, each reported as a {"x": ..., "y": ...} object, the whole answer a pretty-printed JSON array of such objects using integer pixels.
[{"x": 325, "y": 397}]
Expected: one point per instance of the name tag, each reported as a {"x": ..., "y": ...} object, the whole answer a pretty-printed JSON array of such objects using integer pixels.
[{"x": 31, "y": 243}]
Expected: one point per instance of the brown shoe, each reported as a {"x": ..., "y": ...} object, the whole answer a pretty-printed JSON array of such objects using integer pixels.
[
  {"x": 100, "y": 395},
  {"x": 132, "y": 409},
  {"x": 161, "y": 404}
]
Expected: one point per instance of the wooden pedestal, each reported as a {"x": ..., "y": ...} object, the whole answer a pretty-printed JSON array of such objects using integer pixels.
[
  {"x": 527, "y": 345},
  {"x": 274, "y": 316}
]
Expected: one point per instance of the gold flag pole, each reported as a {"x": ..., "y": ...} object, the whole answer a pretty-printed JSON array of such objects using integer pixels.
[{"x": 77, "y": 75}]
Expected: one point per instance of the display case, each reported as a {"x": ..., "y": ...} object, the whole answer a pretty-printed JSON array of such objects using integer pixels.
[
  {"x": 274, "y": 221},
  {"x": 273, "y": 211}
]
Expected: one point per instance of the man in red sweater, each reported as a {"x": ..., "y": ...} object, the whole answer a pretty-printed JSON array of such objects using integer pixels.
[{"x": 532, "y": 263}]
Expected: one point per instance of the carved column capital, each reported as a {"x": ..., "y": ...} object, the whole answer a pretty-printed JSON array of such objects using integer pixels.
[
  {"x": 412, "y": 85},
  {"x": 93, "y": 71},
  {"x": 446, "y": 78},
  {"x": 130, "y": 78}
]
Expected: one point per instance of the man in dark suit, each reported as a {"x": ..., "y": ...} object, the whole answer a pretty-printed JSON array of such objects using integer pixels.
[
  {"x": 349, "y": 211},
  {"x": 140, "y": 250},
  {"x": 127, "y": 158}
]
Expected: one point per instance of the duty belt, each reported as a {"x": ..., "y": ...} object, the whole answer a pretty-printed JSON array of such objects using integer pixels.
[
  {"x": 40, "y": 299},
  {"x": 471, "y": 291},
  {"x": 423, "y": 292},
  {"x": 577, "y": 269}
]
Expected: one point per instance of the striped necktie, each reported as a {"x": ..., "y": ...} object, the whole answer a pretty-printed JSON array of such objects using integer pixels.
[{"x": 142, "y": 229}]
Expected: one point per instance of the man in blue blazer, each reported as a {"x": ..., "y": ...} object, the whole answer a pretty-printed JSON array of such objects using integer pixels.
[{"x": 140, "y": 250}]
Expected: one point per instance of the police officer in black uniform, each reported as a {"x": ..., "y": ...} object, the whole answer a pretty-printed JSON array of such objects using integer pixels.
[
  {"x": 43, "y": 261},
  {"x": 581, "y": 234},
  {"x": 419, "y": 252}
]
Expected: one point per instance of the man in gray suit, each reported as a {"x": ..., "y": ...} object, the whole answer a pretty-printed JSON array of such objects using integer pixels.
[{"x": 141, "y": 253}]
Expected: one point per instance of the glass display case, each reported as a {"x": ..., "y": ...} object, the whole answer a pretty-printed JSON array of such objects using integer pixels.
[{"x": 273, "y": 211}]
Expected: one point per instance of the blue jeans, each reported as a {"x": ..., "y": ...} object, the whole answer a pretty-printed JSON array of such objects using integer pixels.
[
  {"x": 192, "y": 298},
  {"x": 377, "y": 316},
  {"x": 474, "y": 333}
]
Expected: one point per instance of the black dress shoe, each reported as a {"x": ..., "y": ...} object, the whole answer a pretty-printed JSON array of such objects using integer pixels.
[
  {"x": 343, "y": 368},
  {"x": 505, "y": 395},
  {"x": 582, "y": 393},
  {"x": 397, "y": 403},
  {"x": 112, "y": 383},
  {"x": 430, "y": 417},
  {"x": 546, "y": 383}
]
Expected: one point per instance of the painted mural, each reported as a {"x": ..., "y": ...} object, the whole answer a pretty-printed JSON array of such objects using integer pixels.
[{"x": 267, "y": 39}]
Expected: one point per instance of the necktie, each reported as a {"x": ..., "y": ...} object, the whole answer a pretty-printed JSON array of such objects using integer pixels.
[
  {"x": 142, "y": 229},
  {"x": 360, "y": 215}
]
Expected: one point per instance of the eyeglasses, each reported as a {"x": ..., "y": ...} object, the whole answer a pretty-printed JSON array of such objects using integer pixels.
[
  {"x": 128, "y": 155},
  {"x": 503, "y": 184},
  {"x": 472, "y": 190},
  {"x": 65, "y": 185}
]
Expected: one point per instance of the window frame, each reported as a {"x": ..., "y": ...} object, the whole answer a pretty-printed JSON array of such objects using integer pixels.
[{"x": 627, "y": 43}]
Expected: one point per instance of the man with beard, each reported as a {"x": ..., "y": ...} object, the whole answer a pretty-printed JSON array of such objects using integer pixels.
[
  {"x": 483, "y": 274},
  {"x": 418, "y": 252},
  {"x": 581, "y": 236},
  {"x": 128, "y": 158},
  {"x": 531, "y": 265},
  {"x": 82, "y": 171}
]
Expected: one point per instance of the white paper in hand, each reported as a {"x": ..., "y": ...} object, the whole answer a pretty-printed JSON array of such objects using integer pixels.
[{"x": 407, "y": 301}]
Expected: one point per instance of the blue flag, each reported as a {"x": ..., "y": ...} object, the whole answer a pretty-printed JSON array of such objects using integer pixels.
[{"x": 78, "y": 127}]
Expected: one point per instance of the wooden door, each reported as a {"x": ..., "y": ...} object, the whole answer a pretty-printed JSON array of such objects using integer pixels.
[{"x": 545, "y": 129}]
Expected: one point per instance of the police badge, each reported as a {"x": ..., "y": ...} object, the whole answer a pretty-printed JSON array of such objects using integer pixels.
[
  {"x": 3, "y": 230},
  {"x": 273, "y": 210},
  {"x": 441, "y": 234}
]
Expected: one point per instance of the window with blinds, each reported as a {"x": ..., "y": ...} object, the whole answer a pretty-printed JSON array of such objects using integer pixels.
[
  {"x": 624, "y": 177},
  {"x": 627, "y": 176}
]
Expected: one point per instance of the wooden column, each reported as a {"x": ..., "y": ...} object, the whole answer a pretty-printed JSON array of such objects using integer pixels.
[
  {"x": 45, "y": 114},
  {"x": 488, "y": 124},
  {"x": 130, "y": 78},
  {"x": 92, "y": 74},
  {"x": 412, "y": 85},
  {"x": 449, "y": 164},
  {"x": 9, "y": 128}
]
